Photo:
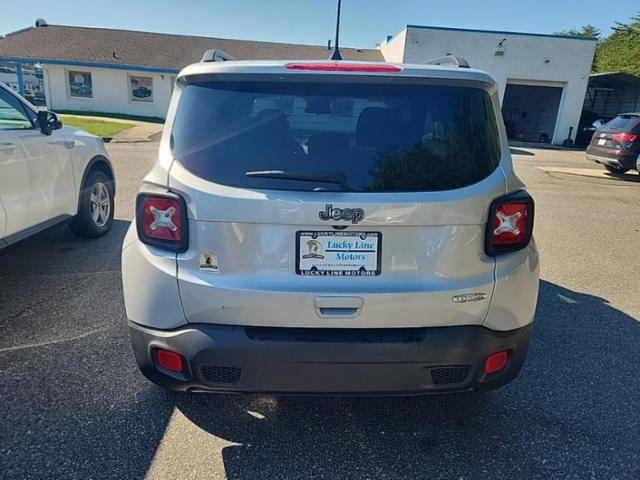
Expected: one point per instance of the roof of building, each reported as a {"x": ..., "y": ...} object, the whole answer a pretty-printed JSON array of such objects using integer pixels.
[
  {"x": 623, "y": 77},
  {"x": 505, "y": 32},
  {"x": 111, "y": 48}
]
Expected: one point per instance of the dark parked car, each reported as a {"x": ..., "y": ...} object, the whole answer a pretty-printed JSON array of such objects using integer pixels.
[
  {"x": 141, "y": 92},
  {"x": 589, "y": 123},
  {"x": 616, "y": 145},
  {"x": 81, "y": 90}
]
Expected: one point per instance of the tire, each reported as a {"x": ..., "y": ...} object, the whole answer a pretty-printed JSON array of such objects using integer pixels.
[
  {"x": 618, "y": 170},
  {"x": 95, "y": 211}
]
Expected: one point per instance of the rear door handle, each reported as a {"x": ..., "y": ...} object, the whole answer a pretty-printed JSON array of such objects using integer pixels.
[
  {"x": 332, "y": 307},
  {"x": 7, "y": 146}
]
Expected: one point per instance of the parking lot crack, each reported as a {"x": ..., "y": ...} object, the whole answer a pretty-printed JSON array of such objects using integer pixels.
[{"x": 53, "y": 342}]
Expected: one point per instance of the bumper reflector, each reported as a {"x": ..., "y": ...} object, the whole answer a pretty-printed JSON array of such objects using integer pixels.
[
  {"x": 496, "y": 362},
  {"x": 172, "y": 361}
]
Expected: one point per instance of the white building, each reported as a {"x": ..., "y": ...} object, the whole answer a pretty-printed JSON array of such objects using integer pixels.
[{"x": 542, "y": 78}]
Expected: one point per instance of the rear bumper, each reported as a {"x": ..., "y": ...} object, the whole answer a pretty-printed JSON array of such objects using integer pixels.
[
  {"x": 330, "y": 361},
  {"x": 626, "y": 161}
]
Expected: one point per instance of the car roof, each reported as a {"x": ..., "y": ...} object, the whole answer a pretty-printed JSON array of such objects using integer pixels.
[{"x": 280, "y": 67}]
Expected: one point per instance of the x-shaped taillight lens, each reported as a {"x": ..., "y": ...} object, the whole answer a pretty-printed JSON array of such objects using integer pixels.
[
  {"x": 162, "y": 221},
  {"x": 510, "y": 223}
]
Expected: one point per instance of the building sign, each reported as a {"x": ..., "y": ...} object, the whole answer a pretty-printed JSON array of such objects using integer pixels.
[
  {"x": 140, "y": 89},
  {"x": 80, "y": 84}
]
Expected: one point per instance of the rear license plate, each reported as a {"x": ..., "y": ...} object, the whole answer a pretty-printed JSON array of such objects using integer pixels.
[{"x": 338, "y": 253}]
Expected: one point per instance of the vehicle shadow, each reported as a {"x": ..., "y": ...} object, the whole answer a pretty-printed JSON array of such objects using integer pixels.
[
  {"x": 625, "y": 177},
  {"x": 73, "y": 284},
  {"x": 58, "y": 247},
  {"x": 74, "y": 404},
  {"x": 572, "y": 413}
]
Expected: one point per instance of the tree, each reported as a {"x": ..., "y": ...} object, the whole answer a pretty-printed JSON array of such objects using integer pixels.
[
  {"x": 620, "y": 52},
  {"x": 584, "y": 31}
]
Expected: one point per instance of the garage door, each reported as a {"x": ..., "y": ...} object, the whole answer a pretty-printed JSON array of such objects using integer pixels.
[{"x": 530, "y": 112}]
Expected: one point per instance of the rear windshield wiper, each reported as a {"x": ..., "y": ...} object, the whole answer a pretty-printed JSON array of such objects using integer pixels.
[{"x": 323, "y": 177}]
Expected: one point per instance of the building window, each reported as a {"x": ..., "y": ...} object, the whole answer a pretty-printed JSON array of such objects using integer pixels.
[
  {"x": 140, "y": 89},
  {"x": 80, "y": 84}
]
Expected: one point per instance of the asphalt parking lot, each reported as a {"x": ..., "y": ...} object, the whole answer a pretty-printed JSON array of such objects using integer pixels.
[{"x": 75, "y": 406}]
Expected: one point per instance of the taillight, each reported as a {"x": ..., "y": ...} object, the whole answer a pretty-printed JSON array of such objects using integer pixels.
[
  {"x": 161, "y": 221},
  {"x": 624, "y": 137},
  {"x": 510, "y": 224},
  {"x": 345, "y": 67}
]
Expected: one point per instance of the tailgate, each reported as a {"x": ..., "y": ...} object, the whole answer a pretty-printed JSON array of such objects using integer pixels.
[{"x": 431, "y": 253}]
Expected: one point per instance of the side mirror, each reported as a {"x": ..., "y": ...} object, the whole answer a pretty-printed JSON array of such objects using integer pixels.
[
  {"x": 48, "y": 122},
  {"x": 598, "y": 123}
]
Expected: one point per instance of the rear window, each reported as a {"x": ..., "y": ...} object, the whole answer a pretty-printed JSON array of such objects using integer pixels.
[
  {"x": 623, "y": 123},
  {"x": 363, "y": 137}
]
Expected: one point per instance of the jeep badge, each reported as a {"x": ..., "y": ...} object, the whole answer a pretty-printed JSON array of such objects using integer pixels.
[{"x": 349, "y": 214}]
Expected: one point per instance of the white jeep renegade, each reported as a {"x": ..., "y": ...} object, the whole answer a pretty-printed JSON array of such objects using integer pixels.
[{"x": 331, "y": 227}]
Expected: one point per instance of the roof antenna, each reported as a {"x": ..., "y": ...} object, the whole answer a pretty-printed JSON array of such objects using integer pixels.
[{"x": 336, "y": 51}]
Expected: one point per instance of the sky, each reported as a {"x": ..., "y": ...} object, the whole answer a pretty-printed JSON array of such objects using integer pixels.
[{"x": 364, "y": 23}]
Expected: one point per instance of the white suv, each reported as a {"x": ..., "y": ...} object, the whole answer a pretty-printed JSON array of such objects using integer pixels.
[
  {"x": 50, "y": 174},
  {"x": 331, "y": 227}
]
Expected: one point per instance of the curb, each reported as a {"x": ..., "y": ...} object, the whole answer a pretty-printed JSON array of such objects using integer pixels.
[
  {"x": 154, "y": 137},
  {"x": 545, "y": 146},
  {"x": 127, "y": 140}
]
